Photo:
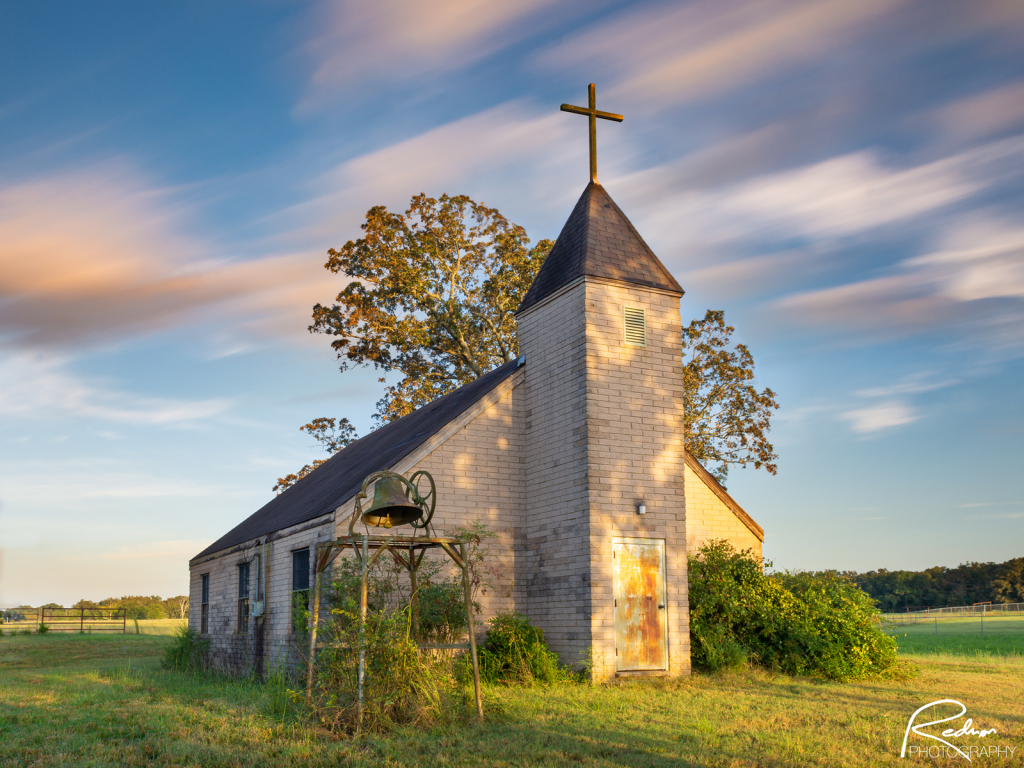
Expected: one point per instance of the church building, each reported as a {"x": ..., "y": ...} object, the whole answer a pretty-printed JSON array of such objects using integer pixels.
[{"x": 573, "y": 454}]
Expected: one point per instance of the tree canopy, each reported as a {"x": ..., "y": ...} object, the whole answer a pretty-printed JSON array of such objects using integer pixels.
[
  {"x": 727, "y": 419},
  {"x": 433, "y": 296}
]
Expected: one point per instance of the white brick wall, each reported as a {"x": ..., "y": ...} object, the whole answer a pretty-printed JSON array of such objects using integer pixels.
[{"x": 708, "y": 517}]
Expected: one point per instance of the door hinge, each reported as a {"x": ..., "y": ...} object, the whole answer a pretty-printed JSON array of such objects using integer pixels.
[{"x": 616, "y": 603}]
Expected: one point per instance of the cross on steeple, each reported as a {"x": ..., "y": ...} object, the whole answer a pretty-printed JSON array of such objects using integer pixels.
[{"x": 593, "y": 114}]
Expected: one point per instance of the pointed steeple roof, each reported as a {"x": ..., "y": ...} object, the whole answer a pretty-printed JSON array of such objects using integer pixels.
[{"x": 598, "y": 240}]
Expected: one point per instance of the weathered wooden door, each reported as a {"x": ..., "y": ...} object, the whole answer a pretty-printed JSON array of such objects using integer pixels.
[{"x": 641, "y": 628}]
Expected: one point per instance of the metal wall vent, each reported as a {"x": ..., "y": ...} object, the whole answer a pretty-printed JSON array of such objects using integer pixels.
[{"x": 635, "y": 323}]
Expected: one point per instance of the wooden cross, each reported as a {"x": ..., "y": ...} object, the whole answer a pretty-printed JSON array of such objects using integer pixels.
[{"x": 593, "y": 114}]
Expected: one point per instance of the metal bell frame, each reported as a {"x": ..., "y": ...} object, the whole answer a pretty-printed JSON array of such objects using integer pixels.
[
  {"x": 425, "y": 503},
  {"x": 362, "y": 545}
]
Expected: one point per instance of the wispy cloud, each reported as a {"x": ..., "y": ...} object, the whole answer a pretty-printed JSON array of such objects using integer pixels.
[
  {"x": 875, "y": 418},
  {"x": 981, "y": 259},
  {"x": 36, "y": 385},
  {"x": 513, "y": 147},
  {"x": 983, "y": 114},
  {"x": 99, "y": 255},
  {"x": 358, "y": 44},
  {"x": 677, "y": 52},
  {"x": 671, "y": 53},
  {"x": 910, "y": 385}
]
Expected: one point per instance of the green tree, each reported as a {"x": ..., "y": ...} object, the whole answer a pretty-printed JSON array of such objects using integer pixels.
[
  {"x": 726, "y": 418},
  {"x": 433, "y": 296},
  {"x": 1009, "y": 586}
]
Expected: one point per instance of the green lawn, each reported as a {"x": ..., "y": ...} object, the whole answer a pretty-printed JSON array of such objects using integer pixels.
[
  {"x": 1003, "y": 636},
  {"x": 104, "y": 701}
]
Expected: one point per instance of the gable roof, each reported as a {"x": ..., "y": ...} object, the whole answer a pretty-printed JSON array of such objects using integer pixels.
[
  {"x": 598, "y": 240},
  {"x": 339, "y": 479}
]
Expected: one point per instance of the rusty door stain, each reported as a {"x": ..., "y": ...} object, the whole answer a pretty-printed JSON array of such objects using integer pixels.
[{"x": 641, "y": 627}]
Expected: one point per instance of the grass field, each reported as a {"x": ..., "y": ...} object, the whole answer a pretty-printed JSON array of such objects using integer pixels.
[
  {"x": 104, "y": 701},
  {"x": 1002, "y": 636}
]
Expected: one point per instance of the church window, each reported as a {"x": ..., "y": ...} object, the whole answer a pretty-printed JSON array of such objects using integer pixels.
[
  {"x": 300, "y": 579},
  {"x": 243, "y": 598},
  {"x": 634, "y": 322},
  {"x": 204, "y": 615}
]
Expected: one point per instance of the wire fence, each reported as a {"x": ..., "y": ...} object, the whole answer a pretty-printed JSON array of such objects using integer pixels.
[
  {"x": 1001, "y": 619},
  {"x": 81, "y": 620},
  {"x": 981, "y": 610}
]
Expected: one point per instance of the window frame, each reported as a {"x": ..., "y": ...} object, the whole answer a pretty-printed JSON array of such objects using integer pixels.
[
  {"x": 204, "y": 605},
  {"x": 298, "y": 590},
  {"x": 244, "y": 586}
]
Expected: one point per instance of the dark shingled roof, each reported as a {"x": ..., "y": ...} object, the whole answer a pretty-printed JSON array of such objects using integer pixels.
[
  {"x": 598, "y": 240},
  {"x": 340, "y": 478}
]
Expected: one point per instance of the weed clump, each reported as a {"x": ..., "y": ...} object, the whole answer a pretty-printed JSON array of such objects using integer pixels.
[
  {"x": 819, "y": 625},
  {"x": 187, "y": 652}
]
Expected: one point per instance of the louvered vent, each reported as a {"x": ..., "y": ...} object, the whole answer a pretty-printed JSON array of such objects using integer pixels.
[{"x": 635, "y": 322}]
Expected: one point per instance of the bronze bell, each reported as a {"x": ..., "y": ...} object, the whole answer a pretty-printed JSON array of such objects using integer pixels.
[{"x": 391, "y": 505}]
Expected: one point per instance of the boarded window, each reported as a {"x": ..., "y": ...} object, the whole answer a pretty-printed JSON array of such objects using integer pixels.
[
  {"x": 243, "y": 598},
  {"x": 634, "y": 322},
  {"x": 204, "y": 616}
]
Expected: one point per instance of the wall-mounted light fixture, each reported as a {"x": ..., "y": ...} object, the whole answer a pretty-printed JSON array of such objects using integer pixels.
[{"x": 641, "y": 508}]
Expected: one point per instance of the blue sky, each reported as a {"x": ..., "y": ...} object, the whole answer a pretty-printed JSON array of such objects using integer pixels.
[{"x": 845, "y": 179}]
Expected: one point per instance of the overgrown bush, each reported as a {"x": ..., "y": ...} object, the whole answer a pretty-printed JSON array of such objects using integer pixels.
[
  {"x": 515, "y": 651},
  {"x": 401, "y": 685},
  {"x": 187, "y": 651},
  {"x": 819, "y": 625},
  {"x": 42, "y": 629}
]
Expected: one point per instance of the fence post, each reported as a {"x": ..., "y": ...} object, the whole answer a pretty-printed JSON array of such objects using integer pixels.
[{"x": 81, "y": 622}]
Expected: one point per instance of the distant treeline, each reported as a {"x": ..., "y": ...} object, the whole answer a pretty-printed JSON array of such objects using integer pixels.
[
  {"x": 136, "y": 607},
  {"x": 940, "y": 587}
]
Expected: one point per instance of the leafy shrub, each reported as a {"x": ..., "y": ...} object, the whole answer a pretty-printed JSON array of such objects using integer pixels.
[
  {"x": 42, "y": 629},
  {"x": 187, "y": 652},
  {"x": 400, "y": 685},
  {"x": 515, "y": 651},
  {"x": 441, "y": 611},
  {"x": 820, "y": 625}
]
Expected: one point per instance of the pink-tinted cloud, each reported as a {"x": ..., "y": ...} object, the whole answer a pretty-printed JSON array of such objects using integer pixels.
[
  {"x": 982, "y": 261},
  {"x": 512, "y": 148},
  {"x": 97, "y": 255},
  {"x": 984, "y": 114},
  {"x": 357, "y": 44},
  {"x": 674, "y": 52}
]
